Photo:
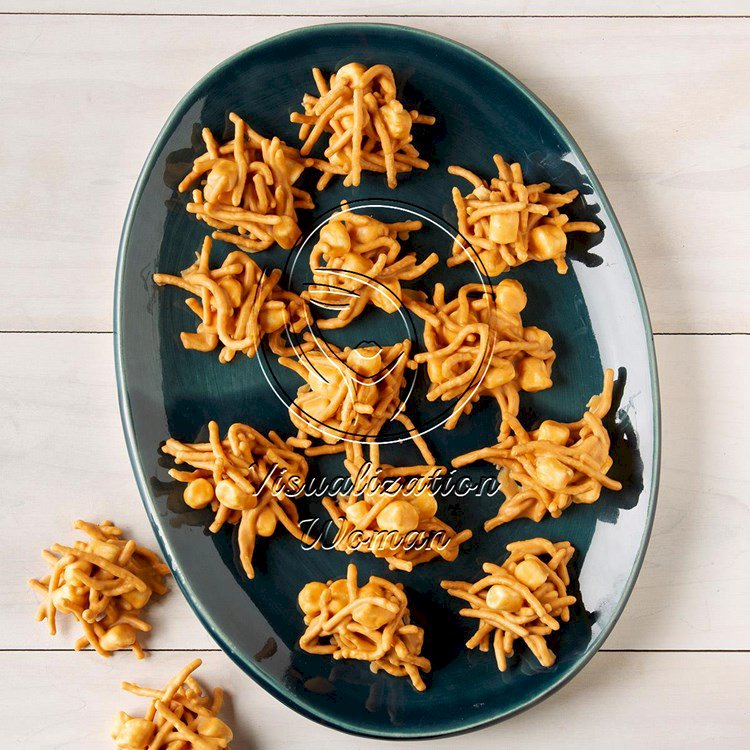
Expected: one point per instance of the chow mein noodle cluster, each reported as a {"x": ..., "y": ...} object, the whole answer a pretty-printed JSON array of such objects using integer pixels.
[
  {"x": 371, "y": 623},
  {"x": 391, "y": 510},
  {"x": 348, "y": 393},
  {"x": 369, "y": 129},
  {"x": 179, "y": 717},
  {"x": 104, "y": 583},
  {"x": 246, "y": 479},
  {"x": 548, "y": 469},
  {"x": 357, "y": 261},
  {"x": 238, "y": 306},
  {"x": 476, "y": 345},
  {"x": 526, "y": 597},
  {"x": 248, "y": 185},
  {"x": 508, "y": 223}
]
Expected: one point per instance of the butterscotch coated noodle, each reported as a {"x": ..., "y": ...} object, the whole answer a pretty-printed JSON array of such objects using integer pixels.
[
  {"x": 104, "y": 583},
  {"x": 368, "y": 127},
  {"x": 525, "y": 598},
  {"x": 238, "y": 305},
  {"x": 349, "y": 394},
  {"x": 179, "y": 717},
  {"x": 246, "y": 479},
  {"x": 476, "y": 345},
  {"x": 392, "y": 511},
  {"x": 370, "y": 623},
  {"x": 547, "y": 470},
  {"x": 508, "y": 223},
  {"x": 247, "y": 185},
  {"x": 357, "y": 261}
]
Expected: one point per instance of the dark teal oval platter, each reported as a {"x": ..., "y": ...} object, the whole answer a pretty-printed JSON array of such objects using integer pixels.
[{"x": 596, "y": 315}]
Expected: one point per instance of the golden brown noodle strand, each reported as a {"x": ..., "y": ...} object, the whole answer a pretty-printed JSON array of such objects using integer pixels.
[
  {"x": 368, "y": 128},
  {"x": 373, "y": 626},
  {"x": 356, "y": 262},
  {"x": 391, "y": 519},
  {"x": 104, "y": 594},
  {"x": 507, "y": 223},
  {"x": 239, "y": 305},
  {"x": 476, "y": 345},
  {"x": 246, "y": 485},
  {"x": 548, "y": 469},
  {"x": 507, "y": 608},
  {"x": 247, "y": 184}
]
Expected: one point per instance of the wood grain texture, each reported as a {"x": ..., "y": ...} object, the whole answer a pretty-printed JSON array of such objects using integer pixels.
[
  {"x": 620, "y": 702},
  {"x": 343, "y": 8},
  {"x": 65, "y": 458},
  {"x": 656, "y": 105},
  {"x": 659, "y": 107}
]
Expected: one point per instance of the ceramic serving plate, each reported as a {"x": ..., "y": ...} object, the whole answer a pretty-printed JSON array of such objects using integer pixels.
[{"x": 596, "y": 315}]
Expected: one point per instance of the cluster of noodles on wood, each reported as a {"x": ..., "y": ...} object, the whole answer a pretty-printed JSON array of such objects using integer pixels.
[
  {"x": 349, "y": 394},
  {"x": 508, "y": 223},
  {"x": 546, "y": 470},
  {"x": 238, "y": 306},
  {"x": 391, "y": 511},
  {"x": 104, "y": 583},
  {"x": 476, "y": 345},
  {"x": 357, "y": 261},
  {"x": 524, "y": 598},
  {"x": 369, "y": 128},
  {"x": 179, "y": 717},
  {"x": 370, "y": 623},
  {"x": 248, "y": 185},
  {"x": 246, "y": 479}
]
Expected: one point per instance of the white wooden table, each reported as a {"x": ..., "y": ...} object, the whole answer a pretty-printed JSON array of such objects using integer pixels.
[{"x": 656, "y": 93}]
